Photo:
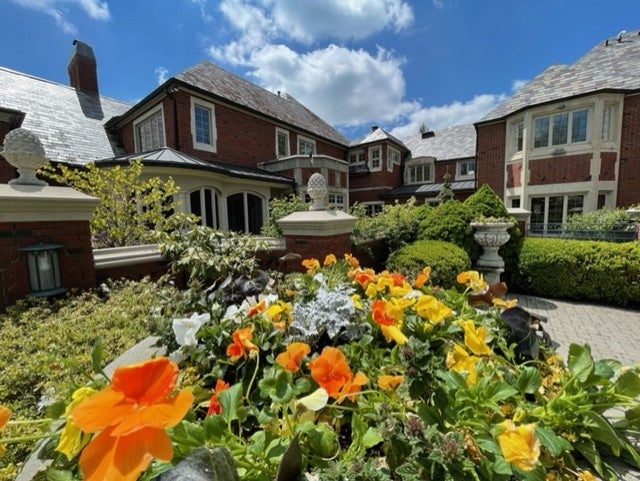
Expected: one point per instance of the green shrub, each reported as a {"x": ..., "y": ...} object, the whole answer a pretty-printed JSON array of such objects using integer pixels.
[
  {"x": 586, "y": 270},
  {"x": 45, "y": 347},
  {"x": 398, "y": 223},
  {"x": 451, "y": 222},
  {"x": 445, "y": 259},
  {"x": 280, "y": 207},
  {"x": 600, "y": 220}
]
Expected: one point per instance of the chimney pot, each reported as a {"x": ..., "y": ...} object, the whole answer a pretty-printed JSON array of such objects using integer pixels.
[
  {"x": 374, "y": 128},
  {"x": 82, "y": 68}
]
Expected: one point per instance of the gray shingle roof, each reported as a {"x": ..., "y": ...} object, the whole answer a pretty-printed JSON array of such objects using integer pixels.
[
  {"x": 615, "y": 66},
  {"x": 377, "y": 134},
  {"x": 457, "y": 142},
  {"x": 423, "y": 189},
  {"x": 224, "y": 84},
  {"x": 166, "y": 156},
  {"x": 69, "y": 123}
]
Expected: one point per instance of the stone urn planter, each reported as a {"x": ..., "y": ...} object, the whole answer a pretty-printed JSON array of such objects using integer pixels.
[{"x": 491, "y": 236}]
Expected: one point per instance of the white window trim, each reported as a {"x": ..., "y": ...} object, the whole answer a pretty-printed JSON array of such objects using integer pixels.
[
  {"x": 287, "y": 145},
  {"x": 372, "y": 204},
  {"x": 412, "y": 165},
  {"x": 141, "y": 119},
  {"x": 215, "y": 205},
  {"x": 212, "y": 125},
  {"x": 305, "y": 139},
  {"x": 459, "y": 169},
  {"x": 356, "y": 153},
  {"x": 371, "y": 167},
  {"x": 390, "y": 161},
  {"x": 550, "y": 146}
]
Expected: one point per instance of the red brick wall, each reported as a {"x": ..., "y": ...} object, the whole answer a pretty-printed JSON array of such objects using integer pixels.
[
  {"x": 76, "y": 257},
  {"x": 608, "y": 166},
  {"x": 560, "y": 169},
  {"x": 319, "y": 246},
  {"x": 491, "y": 141},
  {"x": 629, "y": 172},
  {"x": 443, "y": 167},
  {"x": 513, "y": 174},
  {"x": 242, "y": 138}
]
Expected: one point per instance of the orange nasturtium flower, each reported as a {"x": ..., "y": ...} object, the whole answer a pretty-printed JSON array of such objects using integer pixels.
[
  {"x": 519, "y": 445},
  {"x": 5, "y": 414},
  {"x": 351, "y": 388},
  {"x": 475, "y": 338},
  {"x": 351, "y": 260},
  {"x": 241, "y": 344},
  {"x": 257, "y": 308},
  {"x": 130, "y": 416},
  {"x": 291, "y": 358},
  {"x": 422, "y": 277},
  {"x": 214, "y": 405},
  {"x": 331, "y": 371},
  {"x": 312, "y": 265},
  {"x": 329, "y": 260},
  {"x": 389, "y": 382}
]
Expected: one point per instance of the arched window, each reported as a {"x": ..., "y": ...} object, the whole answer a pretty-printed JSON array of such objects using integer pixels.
[
  {"x": 244, "y": 213},
  {"x": 204, "y": 203}
]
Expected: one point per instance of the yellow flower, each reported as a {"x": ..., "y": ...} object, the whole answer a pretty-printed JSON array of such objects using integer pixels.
[
  {"x": 586, "y": 476},
  {"x": 329, "y": 260},
  {"x": 357, "y": 301},
  {"x": 428, "y": 307},
  {"x": 389, "y": 383},
  {"x": 279, "y": 313},
  {"x": 459, "y": 360},
  {"x": 5, "y": 414},
  {"x": 504, "y": 304},
  {"x": 312, "y": 265},
  {"x": 351, "y": 260},
  {"x": 519, "y": 445},
  {"x": 473, "y": 280},
  {"x": 474, "y": 338},
  {"x": 394, "y": 333},
  {"x": 72, "y": 439}
]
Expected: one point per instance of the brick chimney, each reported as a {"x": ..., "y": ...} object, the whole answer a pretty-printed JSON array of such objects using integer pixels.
[{"x": 82, "y": 68}]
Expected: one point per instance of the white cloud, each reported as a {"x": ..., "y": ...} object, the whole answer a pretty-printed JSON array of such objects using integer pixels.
[
  {"x": 455, "y": 113},
  {"x": 438, "y": 4},
  {"x": 161, "y": 74},
  {"x": 204, "y": 15},
  {"x": 336, "y": 83},
  {"x": 518, "y": 84},
  {"x": 96, "y": 9}
]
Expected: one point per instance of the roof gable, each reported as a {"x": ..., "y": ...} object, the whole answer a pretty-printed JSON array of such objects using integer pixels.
[
  {"x": 457, "y": 142},
  {"x": 378, "y": 134}
]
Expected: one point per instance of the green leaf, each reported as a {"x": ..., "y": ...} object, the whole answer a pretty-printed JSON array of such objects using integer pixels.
[
  {"x": 188, "y": 434},
  {"x": 322, "y": 441},
  {"x": 97, "y": 356},
  {"x": 371, "y": 438},
  {"x": 628, "y": 384},
  {"x": 580, "y": 361},
  {"x": 215, "y": 428},
  {"x": 229, "y": 400},
  {"x": 529, "y": 380},
  {"x": 59, "y": 475},
  {"x": 607, "y": 368},
  {"x": 536, "y": 474},
  {"x": 499, "y": 391},
  {"x": 554, "y": 443},
  {"x": 600, "y": 429}
]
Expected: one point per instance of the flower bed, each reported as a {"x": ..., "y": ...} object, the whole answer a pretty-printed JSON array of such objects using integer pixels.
[{"x": 351, "y": 374}]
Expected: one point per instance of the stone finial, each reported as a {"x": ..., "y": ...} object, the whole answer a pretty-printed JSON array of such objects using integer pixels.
[
  {"x": 317, "y": 190},
  {"x": 24, "y": 151}
]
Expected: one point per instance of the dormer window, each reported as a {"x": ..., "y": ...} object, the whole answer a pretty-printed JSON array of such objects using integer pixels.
[
  {"x": 203, "y": 125},
  {"x": 419, "y": 173},
  {"x": 149, "y": 131},
  {"x": 375, "y": 158}
]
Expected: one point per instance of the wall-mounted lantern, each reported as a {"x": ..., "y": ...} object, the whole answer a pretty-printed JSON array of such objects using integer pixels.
[{"x": 44, "y": 269}]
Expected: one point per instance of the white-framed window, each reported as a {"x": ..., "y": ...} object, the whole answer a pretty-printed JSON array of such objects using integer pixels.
[
  {"x": 306, "y": 146},
  {"x": 149, "y": 130},
  {"x": 336, "y": 200},
  {"x": 419, "y": 173},
  {"x": 519, "y": 136},
  {"x": 466, "y": 168},
  {"x": 375, "y": 158},
  {"x": 282, "y": 143},
  {"x": 204, "y": 203},
  {"x": 609, "y": 117},
  {"x": 245, "y": 212},
  {"x": 357, "y": 157},
  {"x": 373, "y": 208},
  {"x": 553, "y": 210},
  {"x": 560, "y": 129},
  {"x": 393, "y": 157},
  {"x": 203, "y": 125}
]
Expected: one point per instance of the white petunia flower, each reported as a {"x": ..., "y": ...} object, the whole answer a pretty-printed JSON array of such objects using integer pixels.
[{"x": 185, "y": 329}]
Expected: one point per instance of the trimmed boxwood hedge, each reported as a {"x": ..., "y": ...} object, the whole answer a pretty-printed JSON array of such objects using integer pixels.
[
  {"x": 445, "y": 259},
  {"x": 598, "y": 271}
]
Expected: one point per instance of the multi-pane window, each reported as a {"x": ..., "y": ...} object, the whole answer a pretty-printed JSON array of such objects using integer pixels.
[
  {"x": 357, "y": 157},
  {"x": 375, "y": 158},
  {"x": 555, "y": 209},
  {"x": 419, "y": 173},
  {"x": 393, "y": 157},
  {"x": 244, "y": 213},
  {"x": 519, "y": 136},
  {"x": 150, "y": 132},
  {"x": 282, "y": 143},
  {"x": 306, "y": 146},
  {"x": 204, "y": 204},
  {"x": 336, "y": 200},
  {"x": 203, "y": 128},
  {"x": 373, "y": 208},
  {"x": 467, "y": 168},
  {"x": 560, "y": 129},
  {"x": 607, "y": 123}
]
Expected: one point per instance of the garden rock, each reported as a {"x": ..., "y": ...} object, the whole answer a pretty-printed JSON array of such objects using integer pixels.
[{"x": 204, "y": 464}]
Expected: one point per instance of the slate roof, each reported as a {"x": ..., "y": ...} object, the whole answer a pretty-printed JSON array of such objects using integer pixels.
[
  {"x": 168, "y": 157},
  {"x": 457, "y": 142},
  {"x": 221, "y": 83},
  {"x": 69, "y": 123},
  {"x": 612, "y": 66},
  {"x": 432, "y": 188},
  {"x": 378, "y": 134}
]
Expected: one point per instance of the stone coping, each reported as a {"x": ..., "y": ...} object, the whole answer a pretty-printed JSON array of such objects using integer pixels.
[{"x": 34, "y": 203}]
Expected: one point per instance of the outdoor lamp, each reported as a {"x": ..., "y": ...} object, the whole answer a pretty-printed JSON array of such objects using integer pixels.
[{"x": 44, "y": 269}]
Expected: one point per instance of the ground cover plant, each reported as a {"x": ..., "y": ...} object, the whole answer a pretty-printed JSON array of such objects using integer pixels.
[
  {"x": 45, "y": 352},
  {"x": 369, "y": 375}
]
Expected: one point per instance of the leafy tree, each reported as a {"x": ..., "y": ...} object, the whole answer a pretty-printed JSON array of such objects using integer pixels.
[
  {"x": 446, "y": 193},
  {"x": 131, "y": 208},
  {"x": 280, "y": 207}
]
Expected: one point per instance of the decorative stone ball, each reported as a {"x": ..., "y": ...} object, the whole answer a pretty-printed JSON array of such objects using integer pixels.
[
  {"x": 317, "y": 182},
  {"x": 317, "y": 190},
  {"x": 23, "y": 149}
]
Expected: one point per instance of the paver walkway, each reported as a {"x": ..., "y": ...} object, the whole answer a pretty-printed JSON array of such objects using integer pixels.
[{"x": 612, "y": 333}]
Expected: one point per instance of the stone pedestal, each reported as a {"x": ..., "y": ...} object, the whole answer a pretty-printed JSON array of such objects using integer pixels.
[{"x": 491, "y": 236}]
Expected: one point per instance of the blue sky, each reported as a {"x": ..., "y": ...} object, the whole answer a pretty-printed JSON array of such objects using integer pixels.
[{"x": 356, "y": 63}]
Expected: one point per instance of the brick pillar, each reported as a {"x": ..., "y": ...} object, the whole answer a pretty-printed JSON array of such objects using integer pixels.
[{"x": 318, "y": 233}]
